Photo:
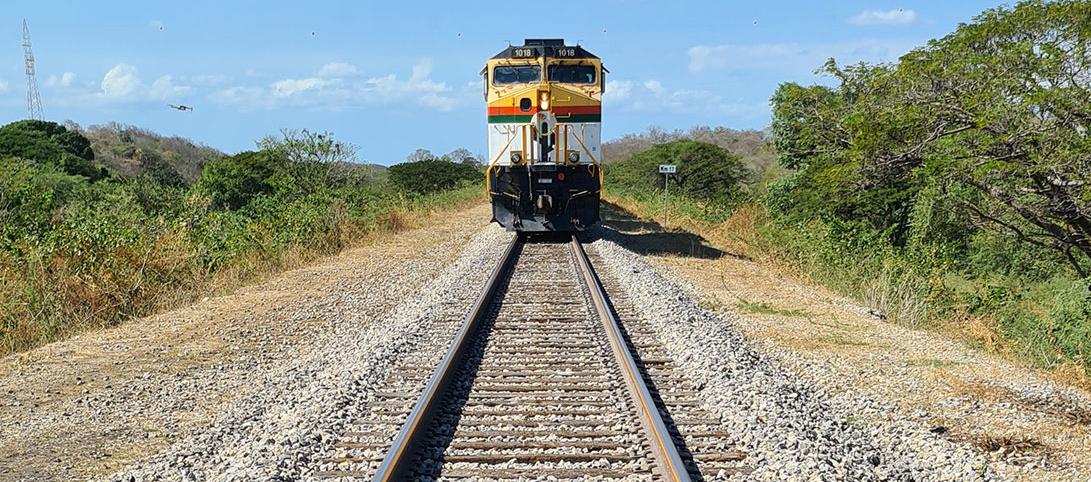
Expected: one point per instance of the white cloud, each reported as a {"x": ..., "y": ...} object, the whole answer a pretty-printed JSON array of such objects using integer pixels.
[
  {"x": 617, "y": 91},
  {"x": 421, "y": 70},
  {"x": 652, "y": 97},
  {"x": 4, "y": 86},
  {"x": 900, "y": 16},
  {"x": 290, "y": 87},
  {"x": 338, "y": 86},
  {"x": 120, "y": 82},
  {"x": 654, "y": 86},
  {"x": 65, "y": 80},
  {"x": 164, "y": 89},
  {"x": 241, "y": 96},
  {"x": 337, "y": 69},
  {"x": 796, "y": 57},
  {"x": 206, "y": 80}
]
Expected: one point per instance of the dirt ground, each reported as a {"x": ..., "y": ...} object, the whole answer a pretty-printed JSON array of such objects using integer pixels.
[
  {"x": 85, "y": 406},
  {"x": 1038, "y": 428}
]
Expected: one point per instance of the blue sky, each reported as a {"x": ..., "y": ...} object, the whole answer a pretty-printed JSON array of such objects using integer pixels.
[{"x": 391, "y": 77}]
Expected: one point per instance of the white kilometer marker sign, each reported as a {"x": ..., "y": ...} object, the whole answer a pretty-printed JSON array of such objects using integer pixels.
[{"x": 666, "y": 170}]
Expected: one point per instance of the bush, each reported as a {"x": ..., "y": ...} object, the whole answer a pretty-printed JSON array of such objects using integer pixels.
[
  {"x": 432, "y": 175},
  {"x": 49, "y": 142},
  {"x": 1070, "y": 314},
  {"x": 233, "y": 181},
  {"x": 29, "y": 194},
  {"x": 705, "y": 171}
]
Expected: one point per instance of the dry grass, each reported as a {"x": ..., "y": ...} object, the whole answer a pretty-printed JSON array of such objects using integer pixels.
[
  {"x": 900, "y": 298},
  {"x": 396, "y": 220},
  {"x": 54, "y": 296},
  {"x": 977, "y": 331},
  {"x": 1072, "y": 373},
  {"x": 48, "y": 296}
]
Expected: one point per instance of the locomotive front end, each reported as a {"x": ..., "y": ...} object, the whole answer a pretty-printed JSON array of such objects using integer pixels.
[{"x": 544, "y": 120}]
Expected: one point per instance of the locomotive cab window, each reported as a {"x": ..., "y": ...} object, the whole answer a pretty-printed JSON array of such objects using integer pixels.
[
  {"x": 516, "y": 74},
  {"x": 572, "y": 74}
]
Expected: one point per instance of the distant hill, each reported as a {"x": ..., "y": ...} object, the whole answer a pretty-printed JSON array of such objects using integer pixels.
[{"x": 133, "y": 151}]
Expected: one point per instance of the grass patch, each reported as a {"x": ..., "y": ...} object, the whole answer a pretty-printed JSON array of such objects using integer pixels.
[
  {"x": 762, "y": 308},
  {"x": 713, "y": 304},
  {"x": 839, "y": 339},
  {"x": 854, "y": 421},
  {"x": 931, "y": 363}
]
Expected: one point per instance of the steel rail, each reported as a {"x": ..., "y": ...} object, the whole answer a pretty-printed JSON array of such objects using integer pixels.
[
  {"x": 662, "y": 443},
  {"x": 399, "y": 460}
]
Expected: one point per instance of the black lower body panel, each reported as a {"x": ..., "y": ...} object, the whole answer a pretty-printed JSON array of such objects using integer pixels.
[{"x": 545, "y": 197}]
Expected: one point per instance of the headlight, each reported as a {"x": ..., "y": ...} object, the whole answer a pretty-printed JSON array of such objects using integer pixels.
[
  {"x": 573, "y": 156},
  {"x": 516, "y": 157},
  {"x": 543, "y": 101}
]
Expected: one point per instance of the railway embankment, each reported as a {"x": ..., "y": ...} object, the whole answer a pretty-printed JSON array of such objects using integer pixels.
[{"x": 264, "y": 383}]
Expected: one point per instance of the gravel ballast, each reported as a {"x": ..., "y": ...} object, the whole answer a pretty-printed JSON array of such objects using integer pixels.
[
  {"x": 790, "y": 429},
  {"x": 300, "y": 408}
]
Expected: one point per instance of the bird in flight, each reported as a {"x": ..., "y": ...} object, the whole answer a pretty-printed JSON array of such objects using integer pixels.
[{"x": 180, "y": 107}]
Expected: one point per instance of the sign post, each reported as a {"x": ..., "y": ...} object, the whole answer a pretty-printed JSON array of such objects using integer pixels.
[{"x": 666, "y": 170}]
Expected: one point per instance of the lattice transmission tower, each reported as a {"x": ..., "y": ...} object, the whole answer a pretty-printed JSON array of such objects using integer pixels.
[{"x": 34, "y": 100}]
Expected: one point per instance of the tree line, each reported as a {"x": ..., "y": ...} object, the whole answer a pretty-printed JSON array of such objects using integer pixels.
[{"x": 983, "y": 129}]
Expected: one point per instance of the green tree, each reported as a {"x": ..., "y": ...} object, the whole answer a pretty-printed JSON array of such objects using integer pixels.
[
  {"x": 49, "y": 142},
  {"x": 705, "y": 171},
  {"x": 30, "y": 193},
  {"x": 159, "y": 170},
  {"x": 432, "y": 175},
  {"x": 308, "y": 157},
  {"x": 996, "y": 115},
  {"x": 464, "y": 156},
  {"x": 233, "y": 181}
]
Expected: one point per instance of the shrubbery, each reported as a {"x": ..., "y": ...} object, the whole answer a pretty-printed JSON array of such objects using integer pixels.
[
  {"x": 50, "y": 143},
  {"x": 954, "y": 166},
  {"x": 710, "y": 180},
  {"x": 80, "y": 249},
  {"x": 705, "y": 171},
  {"x": 432, "y": 175}
]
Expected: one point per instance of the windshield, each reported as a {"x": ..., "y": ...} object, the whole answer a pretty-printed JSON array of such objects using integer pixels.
[
  {"x": 516, "y": 74},
  {"x": 572, "y": 74}
]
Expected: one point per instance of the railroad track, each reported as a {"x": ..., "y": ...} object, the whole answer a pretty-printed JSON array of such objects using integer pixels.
[{"x": 541, "y": 379}]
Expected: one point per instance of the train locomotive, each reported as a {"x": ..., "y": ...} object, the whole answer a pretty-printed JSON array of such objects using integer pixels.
[{"x": 544, "y": 103}]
